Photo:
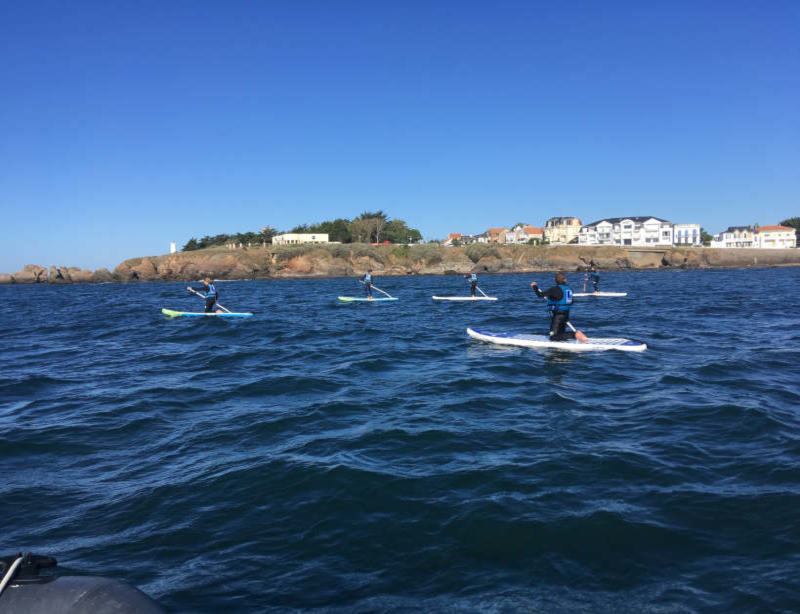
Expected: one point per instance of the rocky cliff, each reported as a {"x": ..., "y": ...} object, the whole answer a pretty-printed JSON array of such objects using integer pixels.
[{"x": 354, "y": 259}]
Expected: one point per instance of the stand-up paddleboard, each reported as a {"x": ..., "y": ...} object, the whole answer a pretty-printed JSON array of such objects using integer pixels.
[
  {"x": 353, "y": 299},
  {"x": 541, "y": 341},
  {"x": 464, "y": 298},
  {"x": 175, "y": 314},
  {"x": 599, "y": 294}
]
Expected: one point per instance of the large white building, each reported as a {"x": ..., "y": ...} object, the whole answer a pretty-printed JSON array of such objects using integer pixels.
[
  {"x": 627, "y": 231},
  {"x": 687, "y": 234},
  {"x": 775, "y": 237},
  {"x": 298, "y": 238}
]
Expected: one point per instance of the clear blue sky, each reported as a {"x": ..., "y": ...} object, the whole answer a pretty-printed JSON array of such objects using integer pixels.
[{"x": 127, "y": 125}]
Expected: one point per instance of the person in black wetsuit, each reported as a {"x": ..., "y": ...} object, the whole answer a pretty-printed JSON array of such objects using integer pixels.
[
  {"x": 473, "y": 283},
  {"x": 367, "y": 281},
  {"x": 209, "y": 293},
  {"x": 559, "y": 301}
]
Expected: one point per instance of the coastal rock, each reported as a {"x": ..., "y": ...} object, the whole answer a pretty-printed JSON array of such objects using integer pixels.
[
  {"x": 59, "y": 275},
  {"x": 80, "y": 276},
  {"x": 5, "y": 278},
  {"x": 102, "y": 275},
  {"x": 30, "y": 274}
]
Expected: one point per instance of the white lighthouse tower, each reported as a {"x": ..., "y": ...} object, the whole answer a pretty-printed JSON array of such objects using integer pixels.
[{"x": 172, "y": 248}]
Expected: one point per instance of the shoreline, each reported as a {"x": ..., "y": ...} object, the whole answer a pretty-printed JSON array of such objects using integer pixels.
[{"x": 334, "y": 261}]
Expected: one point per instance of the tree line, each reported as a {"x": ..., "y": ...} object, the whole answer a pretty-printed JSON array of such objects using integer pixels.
[{"x": 369, "y": 227}]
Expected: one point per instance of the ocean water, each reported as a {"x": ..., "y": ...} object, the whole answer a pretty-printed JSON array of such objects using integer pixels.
[{"x": 331, "y": 457}]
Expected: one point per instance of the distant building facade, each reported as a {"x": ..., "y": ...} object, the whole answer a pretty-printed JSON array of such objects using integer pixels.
[
  {"x": 562, "y": 229},
  {"x": 298, "y": 238},
  {"x": 775, "y": 237},
  {"x": 497, "y": 235},
  {"x": 687, "y": 234},
  {"x": 735, "y": 236},
  {"x": 521, "y": 234},
  {"x": 640, "y": 231}
]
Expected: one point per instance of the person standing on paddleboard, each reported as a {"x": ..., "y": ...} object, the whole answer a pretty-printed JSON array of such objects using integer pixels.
[
  {"x": 473, "y": 283},
  {"x": 559, "y": 302},
  {"x": 367, "y": 281},
  {"x": 594, "y": 276},
  {"x": 209, "y": 292}
]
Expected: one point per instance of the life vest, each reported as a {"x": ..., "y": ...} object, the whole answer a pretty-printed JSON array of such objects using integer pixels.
[
  {"x": 473, "y": 278},
  {"x": 367, "y": 278},
  {"x": 595, "y": 276},
  {"x": 211, "y": 291},
  {"x": 564, "y": 303}
]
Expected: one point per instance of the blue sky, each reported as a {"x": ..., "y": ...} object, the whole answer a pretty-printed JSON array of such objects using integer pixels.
[{"x": 127, "y": 125}]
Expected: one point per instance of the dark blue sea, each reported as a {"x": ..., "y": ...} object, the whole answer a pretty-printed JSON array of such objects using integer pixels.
[{"x": 331, "y": 457}]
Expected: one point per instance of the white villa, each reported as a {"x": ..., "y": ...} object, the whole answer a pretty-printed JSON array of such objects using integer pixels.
[
  {"x": 522, "y": 234},
  {"x": 628, "y": 231},
  {"x": 298, "y": 238},
  {"x": 735, "y": 236},
  {"x": 775, "y": 237},
  {"x": 687, "y": 234}
]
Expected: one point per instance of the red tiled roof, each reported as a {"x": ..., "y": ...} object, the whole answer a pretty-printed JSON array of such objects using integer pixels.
[
  {"x": 760, "y": 228},
  {"x": 532, "y": 230}
]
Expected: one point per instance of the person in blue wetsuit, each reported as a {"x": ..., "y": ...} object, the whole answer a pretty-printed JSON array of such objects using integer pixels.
[
  {"x": 594, "y": 276},
  {"x": 367, "y": 281},
  {"x": 209, "y": 293},
  {"x": 473, "y": 283},
  {"x": 559, "y": 302}
]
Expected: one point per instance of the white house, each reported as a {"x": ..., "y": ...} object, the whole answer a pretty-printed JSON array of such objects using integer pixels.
[
  {"x": 775, "y": 237},
  {"x": 627, "y": 231},
  {"x": 298, "y": 238},
  {"x": 735, "y": 236},
  {"x": 521, "y": 234},
  {"x": 687, "y": 234}
]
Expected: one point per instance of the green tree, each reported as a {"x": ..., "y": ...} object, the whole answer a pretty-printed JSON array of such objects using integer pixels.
[
  {"x": 191, "y": 244},
  {"x": 705, "y": 238},
  {"x": 794, "y": 222}
]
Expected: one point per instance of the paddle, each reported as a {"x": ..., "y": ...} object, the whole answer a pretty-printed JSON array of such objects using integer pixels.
[
  {"x": 379, "y": 290},
  {"x": 201, "y": 296},
  {"x": 481, "y": 291}
]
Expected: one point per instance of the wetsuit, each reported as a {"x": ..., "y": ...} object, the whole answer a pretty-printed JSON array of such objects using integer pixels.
[
  {"x": 595, "y": 277},
  {"x": 559, "y": 301},
  {"x": 367, "y": 279},
  {"x": 209, "y": 293},
  {"x": 473, "y": 283}
]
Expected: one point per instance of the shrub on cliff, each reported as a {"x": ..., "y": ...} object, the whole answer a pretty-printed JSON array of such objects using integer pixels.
[
  {"x": 476, "y": 251},
  {"x": 429, "y": 253}
]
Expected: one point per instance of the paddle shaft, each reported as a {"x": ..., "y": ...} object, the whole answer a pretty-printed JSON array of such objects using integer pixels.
[
  {"x": 377, "y": 288},
  {"x": 201, "y": 296},
  {"x": 481, "y": 291}
]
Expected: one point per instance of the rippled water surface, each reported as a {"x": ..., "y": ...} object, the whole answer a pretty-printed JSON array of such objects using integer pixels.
[{"x": 370, "y": 457}]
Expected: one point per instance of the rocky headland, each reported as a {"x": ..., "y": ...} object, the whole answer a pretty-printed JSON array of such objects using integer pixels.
[{"x": 342, "y": 260}]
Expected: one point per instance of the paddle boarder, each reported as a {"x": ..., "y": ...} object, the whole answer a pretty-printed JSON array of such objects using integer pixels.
[
  {"x": 594, "y": 276},
  {"x": 473, "y": 283},
  {"x": 559, "y": 301},
  {"x": 367, "y": 281},
  {"x": 208, "y": 292}
]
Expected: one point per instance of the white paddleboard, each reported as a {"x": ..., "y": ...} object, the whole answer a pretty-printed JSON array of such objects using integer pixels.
[
  {"x": 541, "y": 341},
  {"x": 464, "y": 298},
  {"x": 599, "y": 294},
  {"x": 222, "y": 314},
  {"x": 353, "y": 299}
]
